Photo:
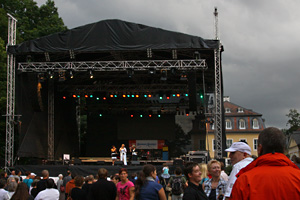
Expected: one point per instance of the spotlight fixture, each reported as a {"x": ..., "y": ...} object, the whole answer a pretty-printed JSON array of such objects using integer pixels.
[
  {"x": 61, "y": 75},
  {"x": 91, "y": 74},
  {"x": 151, "y": 71},
  {"x": 50, "y": 74},
  {"x": 47, "y": 57},
  {"x": 130, "y": 72},
  {"x": 174, "y": 54},
  {"x": 149, "y": 53},
  {"x": 183, "y": 76},
  {"x": 41, "y": 77},
  {"x": 197, "y": 55},
  {"x": 163, "y": 75},
  {"x": 71, "y": 74},
  {"x": 72, "y": 54}
]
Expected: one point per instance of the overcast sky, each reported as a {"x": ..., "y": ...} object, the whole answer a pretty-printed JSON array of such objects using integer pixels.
[{"x": 261, "y": 40}]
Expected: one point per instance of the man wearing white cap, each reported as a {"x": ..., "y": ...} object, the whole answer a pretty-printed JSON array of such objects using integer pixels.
[{"x": 240, "y": 157}]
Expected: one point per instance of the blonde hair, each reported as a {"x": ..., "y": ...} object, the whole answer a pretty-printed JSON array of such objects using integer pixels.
[
  {"x": 209, "y": 164},
  {"x": 203, "y": 169}
]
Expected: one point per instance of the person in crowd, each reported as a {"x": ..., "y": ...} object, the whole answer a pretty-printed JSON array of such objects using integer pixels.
[
  {"x": 60, "y": 186},
  {"x": 77, "y": 193},
  {"x": 115, "y": 179},
  {"x": 178, "y": 184},
  {"x": 41, "y": 185},
  {"x": 125, "y": 188},
  {"x": 133, "y": 177},
  {"x": 272, "y": 175},
  {"x": 204, "y": 172},
  {"x": 3, "y": 175},
  {"x": 123, "y": 152},
  {"x": 89, "y": 180},
  {"x": 12, "y": 173},
  {"x": 11, "y": 186},
  {"x": 194, "y": 190},
  {"x": 146, "y": 187},
  {"x": 3, "y": 192},
  {"x": 67, "y": 178},
  {"x": 133, "y": 153},
  {"x": 70, "y": 185},
  {"x": 22, "y": 192},
  {"x": 18, "y": 175},
  {"x": 164, "y": 178},
  {"x": 50, "y": 193},
  {"x": 296, "y": 160},
  {"x": 114, "y": 154},
  {"x": 223, "y": 173},
  {"x": 214, "y": 188},
  {"x": 33, "y": 189},
  {"x": 102, "y": 188},
  {"x": 240, "y": 157},
  {"x": 28, "y": 180}
]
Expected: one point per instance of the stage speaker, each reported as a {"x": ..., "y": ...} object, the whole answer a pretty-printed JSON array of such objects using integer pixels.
[
  {"x": 192, "y": 91},
  {"x": 135, "y": 162},
  {"x": 198, "y": 160},
  {"x": 100, "y": 162},
  {"x": 118, "y": 163},
  {"x": 77, "y": 161},
  {"x": 178, "y": 162}
]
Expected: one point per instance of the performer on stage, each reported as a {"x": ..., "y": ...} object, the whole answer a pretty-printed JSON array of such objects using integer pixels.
[
  {"x": 114, "y": 153},
  {"x": 133, "y": 153},
  {"x": 123, "y": 152}
]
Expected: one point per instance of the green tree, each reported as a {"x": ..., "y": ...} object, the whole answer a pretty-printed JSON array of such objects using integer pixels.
[{"x": 293, "y": 121}]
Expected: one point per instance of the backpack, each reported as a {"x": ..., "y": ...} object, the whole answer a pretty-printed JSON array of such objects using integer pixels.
[{"x": 177, "y": 186}]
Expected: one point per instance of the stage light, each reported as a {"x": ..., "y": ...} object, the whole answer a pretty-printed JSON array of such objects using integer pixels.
[
  {"x": 141, "y": 115},
  {"x": 201, "y": 96},
  {"x": 160, "y": 97},
  {"x": 158, "y": 115},
  {"x": 100, "y": 115},
  {"x": 41, "y": 77},
  {"x": 74, "y": 95},
  {"x": 186, "y": 95},
  {"x": 174, "y": 95},
  {"x": 64, "y": 97},
  {"x": 149, "y": 95},
  {"x": 151, "y": 71},
  {"x": 91, "y": 96},
  {"x": 131, "y": 115},
  {"x": 78, "y": 96},
  {"x": 61, "y": 75},
  {"x": 116, "y": 95},
  {"x": 124, "y": 95},
  {"x": 71, "y": 74},
  {"x": 145, "y": 95},
  {"x": 197, "y": 55},
  {"x": 130, "y": 72},
  {"x": 50, "y": 74},
  {"x": 168, "y": 97},
  {"x": 128, "y": 95},
  {"x": 137, "y": 96},
  {"x": 91, "y": 74},
  {"x": 132, "y": 95},
  {"x": 150, "y": 115},
  {"x": 104, "y": 98},
  {"x": 99, "y": 98},
  {"x": 111, "y": 96},
  {"x": 174, "y": 54},
  {"x": 163, "y": 75},
  {"x": 86, "y": 96},
  {"x": 183, "y": 76},
  {"x": 178, "y": 95},
  {"x": 149, "y": 53}
]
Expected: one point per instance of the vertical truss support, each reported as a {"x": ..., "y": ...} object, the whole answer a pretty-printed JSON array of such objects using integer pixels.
[
  {"x": 218, "y": 104},
  {"x": 50, "y": 119},
  {"x": 10, "y": 98},
  {"x": 78, "y": 119}
]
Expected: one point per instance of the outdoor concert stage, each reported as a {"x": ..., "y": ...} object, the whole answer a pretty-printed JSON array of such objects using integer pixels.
[{"x": 113, "y": 82}]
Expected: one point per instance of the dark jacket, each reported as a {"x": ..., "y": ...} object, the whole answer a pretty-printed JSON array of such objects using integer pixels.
[
  {"x": 103, "y": 189},
  {"x": 194, "y": 192}
]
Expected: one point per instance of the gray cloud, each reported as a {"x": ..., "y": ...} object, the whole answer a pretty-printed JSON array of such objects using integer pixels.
[{"x": 261, "y": 57}]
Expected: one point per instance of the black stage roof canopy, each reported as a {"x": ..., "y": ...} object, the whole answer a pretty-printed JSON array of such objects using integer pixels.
[{"x": 112, "y": 35}]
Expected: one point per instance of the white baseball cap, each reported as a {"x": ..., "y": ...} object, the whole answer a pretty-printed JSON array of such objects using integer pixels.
[{"x": 239, "y": 146}]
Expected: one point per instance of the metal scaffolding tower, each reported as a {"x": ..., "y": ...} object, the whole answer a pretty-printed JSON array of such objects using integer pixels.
[
  {"x": 218, "y": 94},
  {"x": 51, "y": 120},
  {"x": 10, "y": 105}
]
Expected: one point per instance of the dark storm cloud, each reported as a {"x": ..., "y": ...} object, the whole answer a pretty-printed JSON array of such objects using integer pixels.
[{"x": 261, "y": 40}]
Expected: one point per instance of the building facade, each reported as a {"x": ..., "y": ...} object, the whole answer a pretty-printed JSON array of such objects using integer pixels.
[{"x": 241, "y": 124}]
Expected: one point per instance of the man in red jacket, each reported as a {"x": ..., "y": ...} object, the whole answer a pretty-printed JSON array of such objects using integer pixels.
[{"x": 272, "y": 175}]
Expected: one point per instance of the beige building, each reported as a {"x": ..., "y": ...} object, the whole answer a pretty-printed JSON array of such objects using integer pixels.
[{"x": 241, "y": 124}]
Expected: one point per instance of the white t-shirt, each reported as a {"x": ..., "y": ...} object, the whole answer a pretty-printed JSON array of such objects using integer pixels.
[
  {"x": 48, "y": 194},
  {"x": 4, "y": 194},
  {"x": 235, "y": 169}
]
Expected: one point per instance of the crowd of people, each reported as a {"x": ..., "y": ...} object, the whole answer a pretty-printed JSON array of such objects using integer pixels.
[{"x": 272, "y": 175}]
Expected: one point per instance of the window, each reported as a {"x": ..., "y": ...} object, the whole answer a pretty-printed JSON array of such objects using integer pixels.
[
  {"x": 242, "y": 124},
  {"x": 227, "y": 110},
  {"x": 228, "y": 124},
  {"x": 255, "y": 124},
  {"x": 229, "y": 142},
  {"x": 240, "y": 110},
  {"x": 244, "y": 140},
  {"x": 255, "y": 144}
]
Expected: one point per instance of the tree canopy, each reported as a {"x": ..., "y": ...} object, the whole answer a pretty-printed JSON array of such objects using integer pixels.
[
  {"x": 33, "y": 22},
  {"x": 293, "y": 121}
]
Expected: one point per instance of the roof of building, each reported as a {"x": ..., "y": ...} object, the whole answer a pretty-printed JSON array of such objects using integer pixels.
[{"x": 234, "y": 110}]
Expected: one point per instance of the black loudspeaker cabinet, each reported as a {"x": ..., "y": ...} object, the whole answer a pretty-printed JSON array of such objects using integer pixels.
[
  {"x": 135, "y": 162},
  {"x": 118, "y": 163},
  {"x": 100, "y": 162},
  {"x": 77, "y": 162}
]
